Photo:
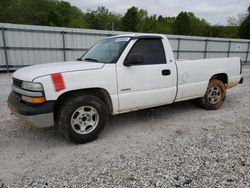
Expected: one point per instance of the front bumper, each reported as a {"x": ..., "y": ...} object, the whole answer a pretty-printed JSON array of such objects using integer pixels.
[{"x": 40, "y": 116}]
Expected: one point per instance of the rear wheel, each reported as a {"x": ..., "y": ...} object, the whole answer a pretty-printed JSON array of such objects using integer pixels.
[
  {"x": 215, "y": 95},
  {"x": 82, "y": 118}
]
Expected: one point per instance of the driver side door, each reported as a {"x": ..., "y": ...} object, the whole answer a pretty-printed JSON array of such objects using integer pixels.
[{"x": 147, "y": 84}]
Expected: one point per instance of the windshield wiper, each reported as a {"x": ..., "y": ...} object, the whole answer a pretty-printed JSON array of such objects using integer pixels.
[{"x": 91, "y": 59}]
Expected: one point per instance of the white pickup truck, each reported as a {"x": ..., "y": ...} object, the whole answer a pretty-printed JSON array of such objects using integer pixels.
[{"x": 118, "y": 74}]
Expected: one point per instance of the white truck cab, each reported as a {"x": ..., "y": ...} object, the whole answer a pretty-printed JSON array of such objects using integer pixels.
[{"x": 118, "y": 74}]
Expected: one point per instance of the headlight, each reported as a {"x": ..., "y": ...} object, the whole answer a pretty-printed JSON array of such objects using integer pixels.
[{"x": 32, "y": 86}]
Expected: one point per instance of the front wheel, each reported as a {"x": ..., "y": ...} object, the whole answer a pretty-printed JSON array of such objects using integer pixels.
[
  {"x": 215, "y": 95},
  {"x": 82, "y": 118}
]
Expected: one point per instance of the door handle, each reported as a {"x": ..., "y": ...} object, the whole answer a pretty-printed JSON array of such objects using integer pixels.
[{"x": 165, "y": 72}]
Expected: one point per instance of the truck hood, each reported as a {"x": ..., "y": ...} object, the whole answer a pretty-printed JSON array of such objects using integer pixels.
[{"x": 32, "y": 72}]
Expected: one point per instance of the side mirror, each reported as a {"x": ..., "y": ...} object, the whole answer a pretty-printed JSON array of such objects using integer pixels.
[{"x": 133, "y": 59}]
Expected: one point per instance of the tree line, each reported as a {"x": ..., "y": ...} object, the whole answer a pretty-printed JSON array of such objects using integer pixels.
[{"x": 63, "y": 14}]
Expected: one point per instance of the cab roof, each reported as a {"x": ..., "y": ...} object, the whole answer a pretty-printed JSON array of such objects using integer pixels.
[{"x": 139, "y": 36}]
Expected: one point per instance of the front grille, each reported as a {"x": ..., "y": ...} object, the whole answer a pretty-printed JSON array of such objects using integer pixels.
[
  {"x": 17, "y": 83},
  {"x": 18, "y": 96}
]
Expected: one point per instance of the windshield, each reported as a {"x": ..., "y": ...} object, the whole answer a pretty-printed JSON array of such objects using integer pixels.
[{"x": 106, "y": 51}]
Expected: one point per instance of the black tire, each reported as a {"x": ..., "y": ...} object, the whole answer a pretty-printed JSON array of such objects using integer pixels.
[
  {"x": 213, "y": 103},
  {"x": 70, "y": 107}
]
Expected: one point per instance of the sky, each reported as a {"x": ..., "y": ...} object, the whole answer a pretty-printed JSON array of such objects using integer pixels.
[{"x": 214, "y": 11}]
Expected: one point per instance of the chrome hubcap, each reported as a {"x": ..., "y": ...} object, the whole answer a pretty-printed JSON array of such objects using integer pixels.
[
  {"x": 214, "y": 95},
  {"x": 84, "y": 120}
]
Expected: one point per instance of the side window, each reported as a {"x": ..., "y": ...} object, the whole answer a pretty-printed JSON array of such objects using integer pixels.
[{"x": 151, "y": 49}]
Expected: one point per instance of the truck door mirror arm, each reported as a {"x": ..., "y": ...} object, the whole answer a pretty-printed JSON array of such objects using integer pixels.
[{"x": 133, "y": 59}]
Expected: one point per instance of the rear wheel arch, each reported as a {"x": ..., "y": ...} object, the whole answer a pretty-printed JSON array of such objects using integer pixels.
[
  {"x": 97, "y": 92},
  {"x": 223, "y": 77},
  {"x": 215, "y": 95}
]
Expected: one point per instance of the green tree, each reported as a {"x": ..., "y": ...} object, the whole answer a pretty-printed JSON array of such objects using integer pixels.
[
  {"x": 63, "y": 14},
  {"x": 244, "y": 29},
  {"x": 102, "y": 19},
  {"x": 187, "y": 23},
  {"x": 223, "y": 31},
  {"x": 149, "y": 24},
  {"x": 182, "y": 24},
  {"x": 130, "y": 21},
  {"x": 41, "y": 12}
]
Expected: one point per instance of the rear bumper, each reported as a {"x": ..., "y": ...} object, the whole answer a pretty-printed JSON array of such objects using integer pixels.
[{"x": 40, "y": 116}]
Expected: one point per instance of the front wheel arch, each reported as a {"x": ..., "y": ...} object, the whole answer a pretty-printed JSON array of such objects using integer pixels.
[{"x": 101, "y": 93}]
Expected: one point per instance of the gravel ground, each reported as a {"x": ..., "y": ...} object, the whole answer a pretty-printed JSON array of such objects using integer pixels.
[{"x": 179, "y": 145}]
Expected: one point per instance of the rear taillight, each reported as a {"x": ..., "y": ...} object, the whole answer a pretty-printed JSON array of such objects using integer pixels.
[{"x": 240, "y": 67}]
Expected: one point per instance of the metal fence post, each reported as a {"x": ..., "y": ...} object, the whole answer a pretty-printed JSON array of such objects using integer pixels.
[
  {"x": 248, "y": 48},
  {"x": 205, "y": 52},
  {"x": 5, "y": 50},
  {"x": 178, "y": 48},
  {"x": 63, "y": 40},
  {"x": 229, "y": 48}
]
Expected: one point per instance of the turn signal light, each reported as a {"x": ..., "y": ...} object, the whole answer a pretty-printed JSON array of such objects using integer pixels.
[{"x": 35, "y": 100}]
